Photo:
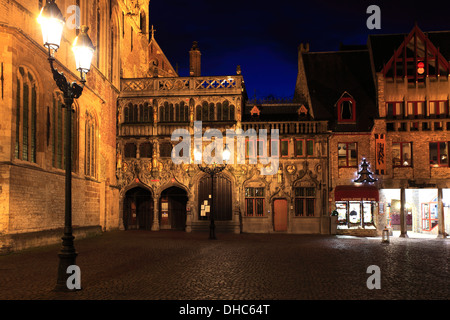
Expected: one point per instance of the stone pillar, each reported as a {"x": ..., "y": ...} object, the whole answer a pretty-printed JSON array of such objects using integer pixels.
[
  {"x": 403, "y": 230},
  {"x": 441, "y": 222},
  {"x": 155, "y": 225}
]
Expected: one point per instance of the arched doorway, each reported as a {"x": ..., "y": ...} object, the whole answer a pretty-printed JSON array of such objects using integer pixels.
[
  {"x": 138, "y": 209},
  {"x": 222, "y": 198},
  {"x": 172, "y": 211}
]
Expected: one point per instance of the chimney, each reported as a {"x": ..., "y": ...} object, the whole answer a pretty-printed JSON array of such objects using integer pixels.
[{"x": 195, "y": 60}]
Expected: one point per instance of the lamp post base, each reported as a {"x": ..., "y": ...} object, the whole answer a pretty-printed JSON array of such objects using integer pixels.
[{"x": 67, "y": 258}]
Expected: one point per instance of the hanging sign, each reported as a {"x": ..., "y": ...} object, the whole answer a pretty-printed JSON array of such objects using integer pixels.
[{"x": 380, "y": 164}]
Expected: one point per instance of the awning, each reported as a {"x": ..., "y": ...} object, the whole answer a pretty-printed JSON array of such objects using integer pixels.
[{"x": 356, "y": 193}]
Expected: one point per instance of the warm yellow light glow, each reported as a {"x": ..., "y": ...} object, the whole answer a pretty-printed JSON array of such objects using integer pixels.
[{"x": 52, "y": 29}]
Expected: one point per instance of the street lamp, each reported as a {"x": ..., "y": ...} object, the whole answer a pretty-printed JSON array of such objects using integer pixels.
[
  {"x": 212, "y": 169},
  {"x": 52, "y": 23}
]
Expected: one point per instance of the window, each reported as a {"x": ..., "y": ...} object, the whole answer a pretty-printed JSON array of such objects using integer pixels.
[
  {"x": 439, "y": 154},
  {"x": 130, "y": 150},
  {"x": 284, "y": 148},
  {"x": 347, "y": 154},
  {"x": 145, "y": 150},
  {"x": 91, "y": 146},
  {"x": 250, "y": 151},
  {"x": 275, "y": 148},
  {"x": 439, "y": 108},
  {"x": 305, "y": 199},
  {"x": 59, "y": 132},
  {"x": 346, "y": 110},
  {"x": 299, "y": 147},
  {"x": 402, "y": 154},
  {"x": 26, "y": 108},
  {"x": 254, "y": 202},
  {"x": 165, "y": 150},
  {"x": 416, "y": 108},
  {"x": 309, "y": 147},
  {"x": 394, "y": 109}
]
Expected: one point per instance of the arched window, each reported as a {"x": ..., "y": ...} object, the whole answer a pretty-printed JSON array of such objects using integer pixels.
[
  {"x": 59, "y": 133},
  {"x": 205, "y": 111},
  {"x": 166, "y": 111},
  {"x": 90, "y": 162},
  {"x": 198, "y": 115},
  {"x": 26, "y": 112},
  {"x": 211, "y": 112},
  {"x": 177, "y": 112},
  {"x": 135, "y": 113},
  {"x": 219, "y": 111},
  {"x": 130, "y": 150},
  {"x": 143, "y": 22},
  {"x": 161, "y": 113},
  {"x": 126, "y": 112},
  {"x": 225, "y": 116},
  {"x": 232, "y": 113},
  {"x": 171, "y": 113}
]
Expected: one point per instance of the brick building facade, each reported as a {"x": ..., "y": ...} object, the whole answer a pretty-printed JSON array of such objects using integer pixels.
[
  {"x": 386, "y": 103},
  {"x": 32, "y": 125}
]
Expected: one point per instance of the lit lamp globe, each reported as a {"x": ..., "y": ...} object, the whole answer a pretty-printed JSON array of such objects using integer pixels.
[
  {"x": 52, "y": 24},
  {"x": 226, "y": 153},
  {"x": 197, "y": 155},
  {"x": 84, "y": 52}
]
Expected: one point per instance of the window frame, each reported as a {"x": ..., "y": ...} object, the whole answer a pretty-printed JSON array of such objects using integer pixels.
[
  {"x": 353, "y": 109},
  {"x": 305, "y": 198},
  {"x": 438, "y": 164},
  {"x": 401, "y": 143},
  {"x": 347, "y": 155},
  {"x": 252, "y": 199}
]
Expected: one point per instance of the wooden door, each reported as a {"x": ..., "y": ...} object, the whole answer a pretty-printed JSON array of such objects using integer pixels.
[{"x": 280, "y": 215}]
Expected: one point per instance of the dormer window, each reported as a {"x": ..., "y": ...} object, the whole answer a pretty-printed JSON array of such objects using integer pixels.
[{"x": 346, "y": 109}]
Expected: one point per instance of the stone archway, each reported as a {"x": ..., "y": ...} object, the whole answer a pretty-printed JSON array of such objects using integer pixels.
[
  {"x": 172, "y": 211},
  {"x": 138, "y": 209}
]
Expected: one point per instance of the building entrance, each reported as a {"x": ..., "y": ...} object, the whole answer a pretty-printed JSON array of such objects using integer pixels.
[
  {"x": 138, "y": 209},
  {"x": 172, "y": 213}
]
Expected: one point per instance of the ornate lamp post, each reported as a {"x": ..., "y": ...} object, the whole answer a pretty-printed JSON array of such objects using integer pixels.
[
  {"x": 52, "y": 24},
  {"x": 212, "y": 170}
]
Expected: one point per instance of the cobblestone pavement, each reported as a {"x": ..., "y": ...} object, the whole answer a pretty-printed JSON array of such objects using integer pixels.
[{"x": 165, "y": 265}]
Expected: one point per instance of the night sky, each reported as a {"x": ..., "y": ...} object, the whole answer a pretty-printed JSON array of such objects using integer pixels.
[{"x": 263, "y": 36}]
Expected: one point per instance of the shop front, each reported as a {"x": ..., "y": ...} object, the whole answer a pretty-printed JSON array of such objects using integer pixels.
[{"x": 357, "y": 209}]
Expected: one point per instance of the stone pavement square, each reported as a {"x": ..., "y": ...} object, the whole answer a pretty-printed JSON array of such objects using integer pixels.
[{"x": 169, "y": 265}]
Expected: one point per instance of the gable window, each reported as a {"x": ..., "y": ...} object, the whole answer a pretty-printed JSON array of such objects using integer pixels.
[
  {"x": 305, "y": 199},
  {"x": 254, "y": 202},
  {"x": 346, "y": 110},
  {"x": 347, "y": 154},
  {"x": 439, "y": 154},
  {"x": 402, "y": 154}
]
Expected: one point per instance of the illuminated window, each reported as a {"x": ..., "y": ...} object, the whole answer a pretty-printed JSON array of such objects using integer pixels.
[
  {"x": 402, "y": 154},
  {"x": 439, "y": 154},
  {"x": 347, "y": 154},
  {"x": 91, "y": 146}
]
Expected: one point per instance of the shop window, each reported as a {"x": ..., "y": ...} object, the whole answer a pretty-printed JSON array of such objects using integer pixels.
[
  {"x": 347, "y": 154},
  {"x": 429, "y": 215},
  {"x": 438, "y": 154},
  {"x": 305, "y": 199},
  {"x": 355, "y": 214},
  {"x": 402, "y": 154},
  {"x": 254, "y": 202}
]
